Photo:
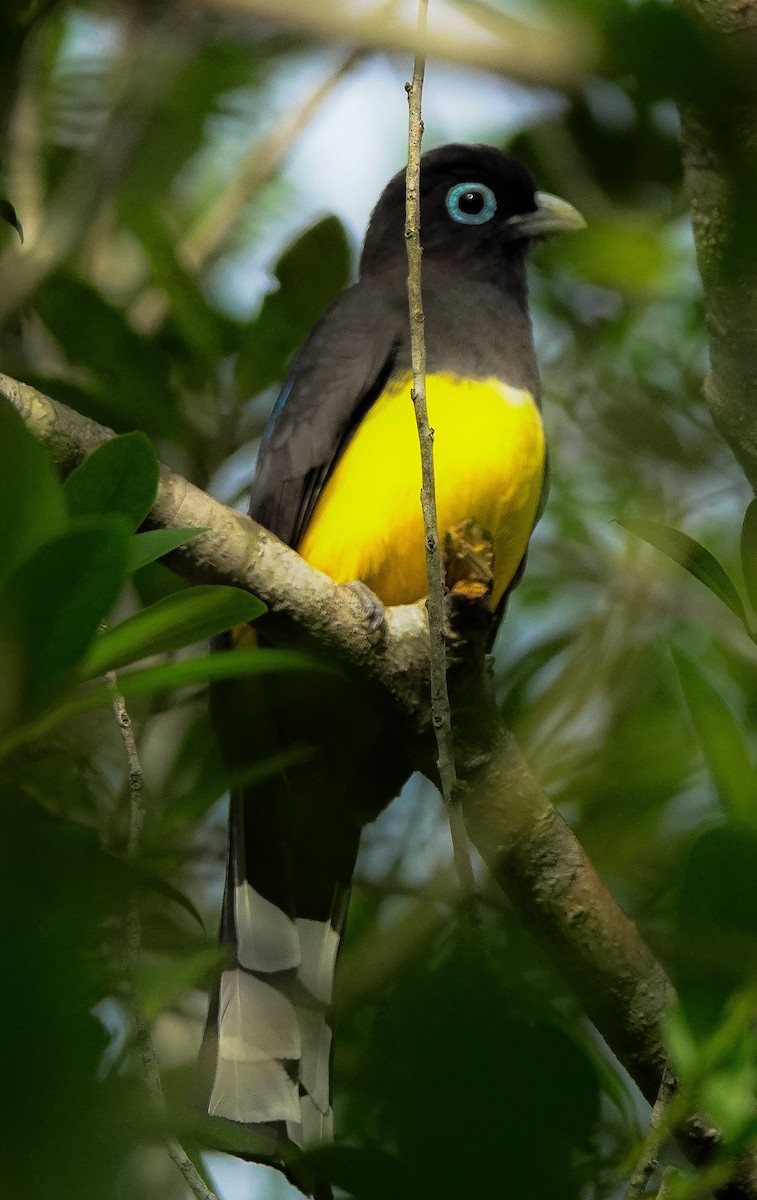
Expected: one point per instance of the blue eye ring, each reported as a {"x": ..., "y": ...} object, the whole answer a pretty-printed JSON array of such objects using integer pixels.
[{"x": 488, "y": 209}]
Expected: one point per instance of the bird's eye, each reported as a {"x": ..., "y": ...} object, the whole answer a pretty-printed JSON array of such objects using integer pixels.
[{"x": 471, "y": 203}]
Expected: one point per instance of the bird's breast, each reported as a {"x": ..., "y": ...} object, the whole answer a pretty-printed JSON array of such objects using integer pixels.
[{"x": 489, "y": 457}]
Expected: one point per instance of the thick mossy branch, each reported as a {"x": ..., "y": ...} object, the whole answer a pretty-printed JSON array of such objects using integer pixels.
[
  {"x": 529, "y": 848},
  {"x": 719, "y": 147}
]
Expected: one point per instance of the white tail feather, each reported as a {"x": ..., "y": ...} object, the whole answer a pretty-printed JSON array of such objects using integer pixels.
[
  {"x": 257, "y": 1029},
  {"x": 315, "y": 1036},
  {"x": 319, "y": 943},
  {"x": 266, "y": 937}
]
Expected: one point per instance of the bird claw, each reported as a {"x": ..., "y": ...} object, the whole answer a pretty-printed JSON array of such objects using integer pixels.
[{"x": 371, "y": 605}]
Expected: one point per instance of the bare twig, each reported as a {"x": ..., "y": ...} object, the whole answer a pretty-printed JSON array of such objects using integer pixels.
[
  {"x": 441, "y": 718},
  {"x": 149, "y": 1058},
  {"x": 650, "y": 1150},
  {"x": 136, "y": 775}
]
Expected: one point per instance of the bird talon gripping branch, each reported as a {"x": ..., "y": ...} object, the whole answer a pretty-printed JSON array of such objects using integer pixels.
[{"x": 375, "y": 615}]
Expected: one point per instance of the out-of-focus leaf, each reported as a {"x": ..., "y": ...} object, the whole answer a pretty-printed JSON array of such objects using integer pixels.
[
  {"x": 119, "y": 477},
  {"x": 719, "y": 1064},
  {"x": 10, "y": 216},
  {"x": 160, "y": 984},
  {"x": 197, "y": 321},
  {"x": 522, "y": 672},
  {"x": 154, "y": 582},
  {"x": 628, "y": 257},
  {"x": 170, "y": 624},
  {"x": 57, "y": 892},
  {"x": 232, "y": 1138},
  {"x": 681, "y": 1044},
  {"x": 145, "y": 548},
  {"x": 228, "y": 664},
  {"x": 32, "y": 508},
  {"x": 310, "y": 272},
  {"x": 748, "y": 547},
  {"x": 365, "y": 1173},
  {"x": 716, "y": 943},
  {"x": 723, "y": 743},
  {"x": 728, "y": 1094},
  {"x": 179, "y": 125},
  {"x": 694, "y": 557},
  {"x": 531, "y": 1076},
  {"x": 130, "y": 373},
  {"x": 147, "y": 879},
  {"x": 59, "y": 596}
]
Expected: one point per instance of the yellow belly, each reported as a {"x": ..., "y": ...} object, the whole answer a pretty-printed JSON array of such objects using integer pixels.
[{"x": 489, "y": 467}]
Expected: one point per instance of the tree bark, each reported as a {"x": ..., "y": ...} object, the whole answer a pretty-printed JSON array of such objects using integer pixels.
[{"x": 719, "y": 149}]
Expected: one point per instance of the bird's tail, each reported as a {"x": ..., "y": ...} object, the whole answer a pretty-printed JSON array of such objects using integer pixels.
[
  {"x": 269, "y": 1027},
  {"x": 266, "y": 1055}
]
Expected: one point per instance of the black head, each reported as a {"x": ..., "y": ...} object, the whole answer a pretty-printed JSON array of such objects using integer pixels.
[{"x": 479, "y": 206}]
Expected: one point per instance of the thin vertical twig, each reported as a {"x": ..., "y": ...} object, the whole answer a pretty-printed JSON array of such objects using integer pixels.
[
  {"x": 150, "y": 1064},
  {"x": 440, "y": 706},
  {"x": 650, "y": 1151}
]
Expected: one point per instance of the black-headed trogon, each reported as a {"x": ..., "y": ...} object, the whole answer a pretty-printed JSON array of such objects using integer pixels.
[{"x": 338, "y": 478}]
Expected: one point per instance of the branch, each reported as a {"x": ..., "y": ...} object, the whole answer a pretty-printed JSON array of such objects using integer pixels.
[
  {"x": 650, "y": 1150},
  {"x": 553, "y": 53},
  {"x": 529, "y": 847},
  {"x": 150, "y": 1065},
  {"x": 720, "y": 168},
  {"x": 441, "y": 717}
]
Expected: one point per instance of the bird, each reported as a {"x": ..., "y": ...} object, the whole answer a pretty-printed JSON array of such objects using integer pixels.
[{"x": 338, "y": 478}]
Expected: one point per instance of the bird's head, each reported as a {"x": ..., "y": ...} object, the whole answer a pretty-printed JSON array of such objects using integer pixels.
[{"x": 478, "y": 204}]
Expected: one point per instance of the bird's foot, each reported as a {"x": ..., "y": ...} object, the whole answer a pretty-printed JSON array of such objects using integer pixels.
[{"x": 371, "y": 605}]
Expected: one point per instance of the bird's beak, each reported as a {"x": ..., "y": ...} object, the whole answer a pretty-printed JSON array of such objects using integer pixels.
[{"x": 551, "y": 215}]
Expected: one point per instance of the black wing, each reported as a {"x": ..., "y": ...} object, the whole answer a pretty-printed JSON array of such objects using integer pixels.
[{"x": 334, "y": 378}]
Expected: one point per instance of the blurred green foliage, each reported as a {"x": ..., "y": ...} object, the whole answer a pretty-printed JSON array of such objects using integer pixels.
[{"x": 628, "y": 680}]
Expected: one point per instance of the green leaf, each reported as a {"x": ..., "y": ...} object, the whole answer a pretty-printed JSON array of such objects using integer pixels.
[
  {"x": 715, "y": 949},
  {"x": 32, "y": 508},
  {"x": 154, "y": 883},
  {"x": 691, "y": 555},
  {"x": 231, "y": 1137},
  {"x": 9, "y": 214},
  {"x": 748, "y": 548},
  {"x": 120, "y": 476},
  {"x": 226, "y": 664},
  {"x": 178, "y": 125},
  {"x": 626, "y": 255},
  {"x": 160, "y": 984},
  {"x": 146, "y": 547},
  {"x": 311, "y": 273},
  {"x": 170, "y": 624},
  {"x": 198, "y": 323},
  {"x": 130, "y": 371},
  {"x": 367, "y": 1172},
  {"x": 728, "y": 1094},
  {"x": 57, "y": 599},
  {"x": 723, "y": 743},
  {"x": 154, "y": 582}
]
